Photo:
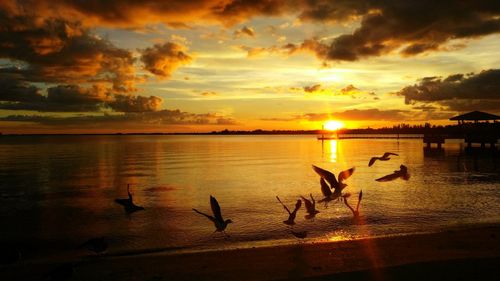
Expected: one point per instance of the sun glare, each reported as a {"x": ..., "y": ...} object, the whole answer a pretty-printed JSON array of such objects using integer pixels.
[{"x": 333, "y": 125}]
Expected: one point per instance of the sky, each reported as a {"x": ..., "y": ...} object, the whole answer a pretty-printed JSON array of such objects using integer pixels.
[{"x": 69, "y": 66}]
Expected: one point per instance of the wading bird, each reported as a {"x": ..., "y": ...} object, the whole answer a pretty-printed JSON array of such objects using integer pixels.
[
  {"x": 338, "y": 186},
  {"x": 310, "y": 206},
  {"x": 128, "y": 203},
  {"x": 219, "y": 222},
  {"x": 355, "y": 213},
  {"x": 384, "y": 157},
  {"x": 291, "y": 215},
  {"x": 96, "y": 245},
  {"x": 401, "y": 173}
]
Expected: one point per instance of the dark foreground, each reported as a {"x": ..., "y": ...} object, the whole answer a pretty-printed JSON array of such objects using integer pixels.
[{"x": 461, "y": 254}]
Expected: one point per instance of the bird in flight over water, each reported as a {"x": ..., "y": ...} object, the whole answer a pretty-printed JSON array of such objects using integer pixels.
[
  {"x": 401, "y": 173},
  {"x": 310, "y": 206},
  {"x": 384, "y": 157},
  {"x": 128, "y": 203},
  {"x": 219, "y": 223},
  {"x": 338, "y": 186},
  {"x": 291, "y": 215},
  {"x": 355, "y": 212}
]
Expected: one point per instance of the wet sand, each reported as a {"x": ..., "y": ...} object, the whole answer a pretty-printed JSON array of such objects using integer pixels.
[{"x": 460, "y": 254}]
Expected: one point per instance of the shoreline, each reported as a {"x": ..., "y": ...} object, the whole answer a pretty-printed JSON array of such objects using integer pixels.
[{"x": 473, "y": 245}]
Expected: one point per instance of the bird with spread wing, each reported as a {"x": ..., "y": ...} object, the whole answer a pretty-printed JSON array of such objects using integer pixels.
[
  {"x": 291, "y": 215},
  {"x": 338, "y": 186},
  {"x": 384, "y": 157},
  {"x": 219, "y": 222},
  {"x": 401, "y": 173}
]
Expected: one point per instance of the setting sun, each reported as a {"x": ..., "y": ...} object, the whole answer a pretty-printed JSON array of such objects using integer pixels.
[{"x": 333, "y": 125}]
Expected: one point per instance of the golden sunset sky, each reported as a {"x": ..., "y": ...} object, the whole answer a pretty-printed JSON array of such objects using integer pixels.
[{"x": 70, "y": 66}]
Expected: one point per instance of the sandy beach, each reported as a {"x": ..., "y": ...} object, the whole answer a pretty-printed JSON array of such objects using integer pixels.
[{"x": 449, "y": 255}]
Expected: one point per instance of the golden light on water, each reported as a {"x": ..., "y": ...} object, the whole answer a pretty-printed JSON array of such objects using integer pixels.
[
  {"x": 333, "y": 125},
  {"x": 333, "y": 151}
]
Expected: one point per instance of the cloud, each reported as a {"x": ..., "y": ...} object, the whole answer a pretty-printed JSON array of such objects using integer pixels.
[
  {"x": 394, "y": 115},
  {"x": 349, "y": 89},
  {"x": 163, "y": 59},
  {"x": 124, "y": 103},
  {"x": 209, "y": 94},
  {"x": 18, "y": 95},
  {"x": 244, "y": 31},
  {"x": 312, "y": 89},
  {"x": 460, "y": 92},
  {"x": 161, "y": 117},
  {"x": 59, "y": 51}
]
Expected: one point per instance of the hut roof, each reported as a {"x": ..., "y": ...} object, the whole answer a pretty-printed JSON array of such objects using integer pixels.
[{"x": 476, "y": 115}]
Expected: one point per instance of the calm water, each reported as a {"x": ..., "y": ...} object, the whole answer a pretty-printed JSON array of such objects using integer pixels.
[{"x": 57, "y": 192}]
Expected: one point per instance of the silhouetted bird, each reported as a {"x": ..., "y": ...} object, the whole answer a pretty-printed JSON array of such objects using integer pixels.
[
  {"x": 338, "y": 186},
  {"x": 291, "y": 215},
  {"x": 384, "y": 157},
  {"x": 355, "y": 213},
  {"x": 299, "y": 234},
  {"x": 401, "y": 173},
  {"x": 96, "y": 245},
  {"x": 310, "y": 207},
  {"x": 60, "y": 273},
  {"x": 128, "y": 203},
  {"x": 219, "y": 222}
]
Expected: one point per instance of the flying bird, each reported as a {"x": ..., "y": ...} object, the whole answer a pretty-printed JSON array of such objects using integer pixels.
[
  {"x": 219, "y": 223},
  {"x": 401, "y": 173},
  {"x": 384, "y": 157},
  {"x": 96, "y": 245},
  {"x": 355, "y": 212},
  {"x": 128, "y": 203},
  {"x": 291, "y": 215},
  {"x": 310, "y": 206},
  {"x": 338, "y": 186}
]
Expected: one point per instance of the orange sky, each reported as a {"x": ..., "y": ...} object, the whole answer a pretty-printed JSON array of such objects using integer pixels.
[{"x": 198, "y": 66}]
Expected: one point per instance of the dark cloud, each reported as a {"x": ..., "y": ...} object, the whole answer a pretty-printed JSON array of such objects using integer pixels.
[
  {"x": 349, "y": 89},
  {"x": 124, "y": 103},
  {"x": 59, "y": 51},
  {"x": 458, "y": 92},
  {"x": 161, "y": 117},
  {"x": 209, "y": 94},
  {"x": 163, "y": 59},
  {"x": 247, "y": 31},
  {"x": 312, "y": 89},
  {"x": 71, "y": 98}
]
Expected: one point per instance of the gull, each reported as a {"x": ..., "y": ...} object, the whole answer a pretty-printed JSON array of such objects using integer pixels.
[
  {"x": 310, "y": 206},
  {"x": 96, "y": 245},
  {"x": 401, "y": 173},
  {"x": 292, "y": 215},
  {"x": 128, "y": 203},
  {"x": 355, "y": 213},
  {"x": 219, "y": 222},
  {"x": 384, "y": 157},
  {"x": 338, "y": 186}
]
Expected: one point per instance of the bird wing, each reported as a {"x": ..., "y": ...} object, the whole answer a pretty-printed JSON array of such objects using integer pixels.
[
  {"x": 325, "y": 189},
  {"x": 389, "y": 177},
  {"x": 346, "y": 174},
  {"x": 327, "y": 175},
  {"x": 123, "y": 202},
  {"x": 283, "y": 205},
  {"x": 308, "y": 204},
  {"x": 297, "y": 205},
  {"x": 387, "y": 154},
  {"x": 372, "y": 161},
  {"x": 203, "y": 214},
  {"x": 215, "y": 208},
  {"x": 359, "y": 199}
]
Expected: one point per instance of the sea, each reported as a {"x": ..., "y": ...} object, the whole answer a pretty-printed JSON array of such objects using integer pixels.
[{"x": 56, "y": 192}]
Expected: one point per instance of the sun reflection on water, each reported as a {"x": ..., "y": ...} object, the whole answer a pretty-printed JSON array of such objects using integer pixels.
[{"x": 333, "y": 151}]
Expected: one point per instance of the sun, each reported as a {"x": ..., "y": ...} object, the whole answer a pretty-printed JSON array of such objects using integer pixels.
[{"x": 333, "y": 125}]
